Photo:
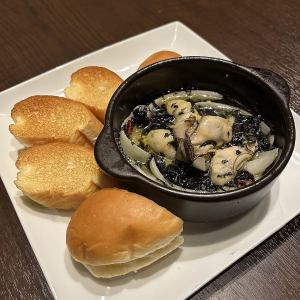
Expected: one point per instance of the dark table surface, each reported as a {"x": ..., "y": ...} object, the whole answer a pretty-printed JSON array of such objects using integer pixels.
[{"x": 36, "y": 36}]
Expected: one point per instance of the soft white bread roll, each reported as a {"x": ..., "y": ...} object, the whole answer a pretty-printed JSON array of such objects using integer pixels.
[
  {"x": 158, "y": 56},
  {"x": 60, "y": 175},
  {"x": 93, "y": 86},
  {"x": 44, "y": 119},
  {"x": 115, "y": 232}
]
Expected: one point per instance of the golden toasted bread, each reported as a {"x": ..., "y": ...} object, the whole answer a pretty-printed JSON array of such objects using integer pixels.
[
  {"x": 158, "y": 56},
  {"x": 44, "y": 119},
  {"x": 60, "y": 175},
  {"x": 93, "y": 86}
]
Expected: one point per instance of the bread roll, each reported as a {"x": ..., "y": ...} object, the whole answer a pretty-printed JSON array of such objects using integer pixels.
[
  {"x": 45, "y": 119},
  {"x": 115, "y": 232},
  {"x": 93, "y": 86},
  {"x": 59, "y": 175},
  {"x": 158, "y": 56}
]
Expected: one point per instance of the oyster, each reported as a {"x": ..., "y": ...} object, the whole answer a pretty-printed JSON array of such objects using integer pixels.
[
  {"x": 213, "y": 128},
  {"x": 189, "y": 140},
  {"x": 226, "y": 162},
  {"x": 185, "y": 122},
  {"x": 178, "y": 107},
  {"x": 161, "y": 142}
]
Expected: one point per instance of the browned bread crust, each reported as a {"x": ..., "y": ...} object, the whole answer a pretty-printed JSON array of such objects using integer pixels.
[
  {"x": 59, "y": 175},
  {"x": 158, "y": 56},
  {"x": 44, "y": 119},
  {"x": 93, "y": 86}
]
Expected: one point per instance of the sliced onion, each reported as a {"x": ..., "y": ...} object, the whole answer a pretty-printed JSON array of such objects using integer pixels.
[
  {"x": 240, "y": 161},
  {"x": 159, "y": 101},
  {"x": 150, "y": 110},
  {"x": 271, "y": 139},
  {"x": 177, "y": 187},
  {"x": 201, "y": 95},
  {"x": 200, "y": 163},
  {"x": 140, "y": 170},
  {"x": 221, "y": 106},
  {"x": 126, "y": 120},
  {"x": 280, "y": 141},
  {"x": 265, "y": 129},
  {"x": 171, "y": 96},
  {"x": 132, "y": 150},
  {"x": 193, "y": 95},
  {"x": 155, "y": 171},
  {"x": 252, "y": 147},
  {"x": 263, "y": 160},
  {"x": 176, "y": 95}
]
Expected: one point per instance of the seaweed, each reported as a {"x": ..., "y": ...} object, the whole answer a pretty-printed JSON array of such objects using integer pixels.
[
  {"x": 246, "y": 128},
  {"x": 140, "y": 115},
  {"x": 185, "y": 175},
  {"x": 160, "y": 119}
]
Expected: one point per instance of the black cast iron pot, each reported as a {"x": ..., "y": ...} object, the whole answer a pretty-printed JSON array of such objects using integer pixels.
[{"x": 259, "y": 90}]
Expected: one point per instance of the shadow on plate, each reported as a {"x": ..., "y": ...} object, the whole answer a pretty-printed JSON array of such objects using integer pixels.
[
  {"x": 17, "y": 146},
  {"x": 111, "y": 286},
  {"x": 37, "y": 209},
  {"x": 203, "y": 239}
]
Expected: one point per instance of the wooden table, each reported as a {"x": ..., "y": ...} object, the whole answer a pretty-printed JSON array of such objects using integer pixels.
[{"x": 36, "y": 36}]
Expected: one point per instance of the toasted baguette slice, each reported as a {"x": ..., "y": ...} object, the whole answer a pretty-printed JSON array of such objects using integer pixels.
[
  {"x": 158, "y": 56},
  {"x": 93, "y": 86},
  {"x": 60, "y": 175},
  {"x": 45, "y": 119}
]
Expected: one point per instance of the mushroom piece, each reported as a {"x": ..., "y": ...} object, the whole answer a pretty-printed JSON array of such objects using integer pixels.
[
  {"x": 180, "y": 152},
  {"x": 178, "y": 107},
  {"x": 213, "y": 128},
  {"x": 226, "y": 162},
  {"x": 185, "y": 122},
  {"x": 160, "y": 141}
]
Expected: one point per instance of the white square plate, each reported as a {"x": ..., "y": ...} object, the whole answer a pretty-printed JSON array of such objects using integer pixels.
[{"x": 208, "y": 249}]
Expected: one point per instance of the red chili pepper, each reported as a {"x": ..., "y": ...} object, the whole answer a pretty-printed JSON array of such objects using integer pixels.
[
  {"x": 243, "y": 182},
  {"x": 129, "y": 127}
]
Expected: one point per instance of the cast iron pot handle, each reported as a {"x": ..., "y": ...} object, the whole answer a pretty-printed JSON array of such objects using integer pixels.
[
  {"x": 275, "y": 80},
  {"x": 109, "y": 157}
]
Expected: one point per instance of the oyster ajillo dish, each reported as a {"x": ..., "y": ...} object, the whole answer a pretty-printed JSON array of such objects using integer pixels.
[{"x": 194, "y": 141}]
